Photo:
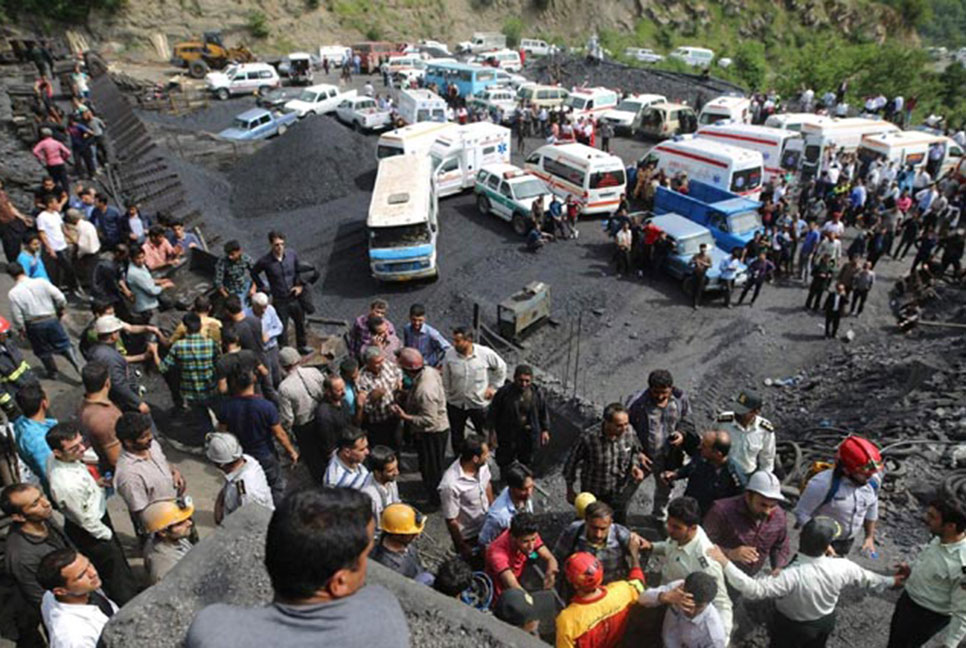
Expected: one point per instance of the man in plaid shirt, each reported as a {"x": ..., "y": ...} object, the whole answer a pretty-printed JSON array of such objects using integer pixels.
[
  {"x": 233, "y": 273},
  {"x": 379, "y": 380},
  {"x": 610, "y": 460},
  {"x": 195, "y": 356}
]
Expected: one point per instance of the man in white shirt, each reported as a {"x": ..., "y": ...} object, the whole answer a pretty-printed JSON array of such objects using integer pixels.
[
  {"x": 345, "y": 469},
  {"x": 74, "y": 609},
  {"x": 381, "y": 484},
  {"x": 808, "y": 589},
  {"x": 50, "y": 226},
  {"x": 244, "y": 477},
  {"x": 465, "y": 494},
  {"x": 87, "y": 246},
  {"x": 472, "y": 373},
  {"x": 700, "y": 626},
  {"x": 84, "y": 505},
  {"x": 271, "y": 330}
]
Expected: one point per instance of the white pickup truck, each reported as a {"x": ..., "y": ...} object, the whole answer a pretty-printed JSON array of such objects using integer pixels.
[
  {"x": 362, "y": 113},
  {"x": 318, "y": 99}
]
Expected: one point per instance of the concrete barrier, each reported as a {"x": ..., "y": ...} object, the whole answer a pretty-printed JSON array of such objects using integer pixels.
[{"x": 228, "y": 567}]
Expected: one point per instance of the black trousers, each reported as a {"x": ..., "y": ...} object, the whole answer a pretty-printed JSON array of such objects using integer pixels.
[
  {"x": 728, "y": 285},
  {"x": 858, "y": 300},
  {"x": 108, "y": 557},
  {"x": 700, "y": 281},
  {"x": 786, "y": 633},
  {"x": 311, "y": 449},
  {"x": 431, "y": 454},
  {"x": 457, "y": 423},
  {"x": 814, "y": 299},
  {"x": 747, "y": 288},
  {"x": 291, "y": 308},
  {"x": 832, "y": 324},
  {"x": 514, "y": 445},
  {"x": 385, "y": 433},
  {"x": 913, "y": 625},
  {"x": 12, "y": 236},
  {"x": 903, "y": 248}
]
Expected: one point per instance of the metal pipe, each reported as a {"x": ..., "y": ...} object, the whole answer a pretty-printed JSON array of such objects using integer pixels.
[{"x": 580, "y": 328}]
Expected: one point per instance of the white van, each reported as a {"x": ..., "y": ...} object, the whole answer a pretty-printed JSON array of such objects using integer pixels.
[
  {"x": 781, "y": 150},
  {"x": 416, "y": 139},
  {"x": 595, "y": 179},
  {"x": 626, "y": 116},
  {"x": 506, "y": 59},
  {"x": 911, "y": 148},
  {"x": 457, "y": 155},
  {"x": 402, "y": 223},
  {"x": 420, "y": 105},
  {"x": 845, "y": 134},
  {"x": 733, "y": 169},
  {"x": 794, "y": 121},
  {"x": 537, "y": 47},
  {"x": 591, "y": 101},
  {"x": 726, "y": 108},
  {"x": 334, "y": 54},
  {"x": 542, "y": 96},
  {"x": 693, "y": 56},
  {"x": 398, "y": 62}
]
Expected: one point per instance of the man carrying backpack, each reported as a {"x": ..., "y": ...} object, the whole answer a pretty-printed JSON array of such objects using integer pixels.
[{"x": 847, "y": 493}]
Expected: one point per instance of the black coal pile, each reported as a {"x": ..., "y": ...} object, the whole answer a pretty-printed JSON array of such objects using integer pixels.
[
  {"x": 676, "y": 86},
  {"x": 216, "y": 116},
  {"x": 318, "y": 160}
]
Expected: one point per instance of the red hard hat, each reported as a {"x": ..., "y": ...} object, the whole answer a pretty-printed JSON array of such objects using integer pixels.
[
  {"x": 4, "y": 324},
  {"x": 584, "y": 571},
  {"x": 858, "y": 455}
]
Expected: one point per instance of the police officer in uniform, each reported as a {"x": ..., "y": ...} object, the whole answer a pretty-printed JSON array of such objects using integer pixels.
[
  {"x": 935, "y": 594},
  {"x": 752, "y": 437},
  {"x": 15, "y": 373}
]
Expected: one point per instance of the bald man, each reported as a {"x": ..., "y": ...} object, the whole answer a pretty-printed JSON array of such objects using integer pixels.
[{"x": 711, "y": 476}]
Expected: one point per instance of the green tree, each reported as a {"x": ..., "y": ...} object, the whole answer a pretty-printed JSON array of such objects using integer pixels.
[
  {"x": 257, "y": 24},
  {"x": 512, "y": 29},
  {"x": 750, "y": 64}
]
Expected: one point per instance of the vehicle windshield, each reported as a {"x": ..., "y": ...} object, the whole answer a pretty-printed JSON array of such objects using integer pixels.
[
  {"x": 308, "y": 95},
  {"x": 525, "y": 93},
  {"x": 530, "y": 188},
  {"x": 384, "y": 151},
  {"x": 605, "y": 179},
  {"x": 577, "y": 103},
  {"x": 692, "y": 244},
  {"x": 746, "y": 180},
  {"x": 365, "y": 104},
  {"x": 629, "y": 106},
  {"x": 711, "y": 118},
  {"x": 399, "y": 236},
  {"x": 745, "y": 222},
  {"x": 240, "y": 124},
  {"x": 812, "y": 152}
]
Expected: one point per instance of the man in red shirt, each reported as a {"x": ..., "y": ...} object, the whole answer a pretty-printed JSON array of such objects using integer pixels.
[{"x": 507, "y": 556}]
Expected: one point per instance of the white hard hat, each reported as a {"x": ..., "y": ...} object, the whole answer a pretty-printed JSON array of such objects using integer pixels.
[
  {"x": 765, "y": 484},
  {"x": 107, "y": 324},
  {"x": 222, "y": 448}
]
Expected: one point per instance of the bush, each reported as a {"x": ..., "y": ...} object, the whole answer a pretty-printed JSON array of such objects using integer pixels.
[
  {"x": 312, "y": 4},
  {"x": 512, "y": 29},
  {"x": 258, "y": 24},
  {"x": 64, "y": 10},
  {"x": 373, "y": 33},
  {"x": 750, "y": 65}
]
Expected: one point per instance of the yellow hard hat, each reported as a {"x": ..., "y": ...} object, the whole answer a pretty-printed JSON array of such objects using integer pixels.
[
  {"x": 582, "y": 502},
  {"x": 163, "y": 513},
  {"x": 402, "y": 519}
]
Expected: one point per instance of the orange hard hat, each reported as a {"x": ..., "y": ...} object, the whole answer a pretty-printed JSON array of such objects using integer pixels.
[{"x": 4, "y": 324}]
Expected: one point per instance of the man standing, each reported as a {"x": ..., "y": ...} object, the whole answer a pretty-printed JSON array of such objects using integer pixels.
[
  {"x": 465, "y": 494},
  {"x": 272, "y": 330},
  {"x": 807, "y": 251},
  {"x": 695, "y": 624},
  {"x": 711, "y": 476},
  {"x": 169, "y": 524},
  {"x": 84, "y": 505},
  {"x": 471, "y": 375},
  {"x": 299, "y": 394},
  {"x": 74, "y": 608},
  {"x": 610, "y": 461},
  {"x": 519, "y": 418},
  {"x": 808, "y": 590},
  {"x": 835, "y": 305},
  {"x": 424, "y": 338},
  {"x": 863, "y": 283},
  {"x": 847, "y": 493},
  {"x": 109, "y": 221},
  {"x": 53, "y": 155},
  {"x": 934, "y": 598},
  {"x": 280, "y": 268},
  {"x": 332, "y": 416},
  {"x": 359, "y": 336},
  {"x": 752, "y": 437},
  {"x": 31, "y": 257},
  {"x": 233, "y": 273},
  {"x": 36, "y": 306},
  {"x": 381, "y": 484},
  {"x": 508, "y": 554},
  {"x": 244, "y": 478},
  {"x": 123, "y": 391},
  {"x": 98, "y": 416},
  {"x": 424, "y": 414},
  {"x": 729, "y": 271},
  {"x": 195, "y": 357},
  {"x": 752, "y": 527},
  {"x": 145, "y": 287},
  {"x": 380, "y": 379},
  {"x": 30, "y": 431},
  {"x": 685, "y": 552},
  {"x": 758, "y": 272},
  {"x": 597, "y": 534},
  {"x": 700, "y": 264},
  {"x": 346, "y": 468},
  {"x": 143, "y": 473},
  {"x": 333, "y": 605},
  {"x": 516, "y": 498}
]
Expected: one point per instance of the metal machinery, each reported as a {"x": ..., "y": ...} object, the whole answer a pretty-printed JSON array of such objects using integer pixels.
[{"x": 523, "y": 309}]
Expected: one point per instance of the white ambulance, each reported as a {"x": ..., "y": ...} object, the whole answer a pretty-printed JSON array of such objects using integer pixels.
[
  {"x": 458, "y": 154},
  {"x": 938, "y": 154},
  {"x": 727, "y": 167},
  {"x": 781, "y": 150},
  {"x": 844, "y": 134},
  {"x": 584, "y": 102},
  {"x": 595, "y": 179},
  {"x": 412, "y": 140},
  {"x": 725, "y": 108}
]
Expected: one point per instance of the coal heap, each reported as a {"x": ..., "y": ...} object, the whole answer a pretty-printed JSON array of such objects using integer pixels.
[{"x": 316, "y": 161}]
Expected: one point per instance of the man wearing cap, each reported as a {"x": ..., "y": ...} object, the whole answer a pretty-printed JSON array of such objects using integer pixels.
[
  {"x": 806, "y": 591},
  {"x": 752, "y": 527},
  {"x": 401, "y": 524},
  {"x": 661, "y": 418},
  {"x": 299, "y": 394},
  {"x": 752, "y": 437},
  {"x": 74, "y": 608},
  {"x": 507, "y": 556},
  {"x": 169, "y": 523},
  {"x": 848, "y": 493},
  {"x": 711, "y": 476},
  {"x": 244, "y": 478},
  {"x": 124, "y": 389},
  {"x": 516, "y": 608},
  {"x": 935, "y": 595},
  {"x": 424, "y": 414}
]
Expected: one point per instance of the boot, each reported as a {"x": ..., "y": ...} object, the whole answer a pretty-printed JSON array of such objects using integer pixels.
[{"x": 50, "y": 365}]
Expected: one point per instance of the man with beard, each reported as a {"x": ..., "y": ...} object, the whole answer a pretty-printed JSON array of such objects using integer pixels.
[{"x": 520, "y": 419}]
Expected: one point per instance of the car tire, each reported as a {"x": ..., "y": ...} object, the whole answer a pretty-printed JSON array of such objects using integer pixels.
[
  {"x": 263, "y": 90},
  {"x": 223, "y": 94},
  {"x": 519, "y": 223},
  {"x": 281, "y": 129},
  {"x": 483, "y": 205},
  {"x": 197, "y": 69}
]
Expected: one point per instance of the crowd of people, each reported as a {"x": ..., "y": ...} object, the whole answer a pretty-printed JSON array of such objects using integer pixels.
[{"x": 266, "y": 417}]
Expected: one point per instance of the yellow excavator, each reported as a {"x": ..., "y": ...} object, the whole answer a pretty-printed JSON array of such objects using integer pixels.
[{"x": 210, "y": 53}]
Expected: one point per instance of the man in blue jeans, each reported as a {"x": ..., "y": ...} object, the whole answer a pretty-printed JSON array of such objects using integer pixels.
[{"x": 255, "y": 423}]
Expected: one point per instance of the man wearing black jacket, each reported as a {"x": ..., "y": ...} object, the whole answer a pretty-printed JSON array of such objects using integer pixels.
[
  {"x": 124, "y": 387},
  {"x": 281, "y": 269},
  {"x": 835, "y": 305},
  {"x": 519, "y": 417}
]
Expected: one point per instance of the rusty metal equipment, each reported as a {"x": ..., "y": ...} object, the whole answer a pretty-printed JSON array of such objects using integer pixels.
[{"x": 523, "y": 309}]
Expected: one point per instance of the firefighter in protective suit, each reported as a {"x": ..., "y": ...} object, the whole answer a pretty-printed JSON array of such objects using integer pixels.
[{"x": 15, "y": 373}]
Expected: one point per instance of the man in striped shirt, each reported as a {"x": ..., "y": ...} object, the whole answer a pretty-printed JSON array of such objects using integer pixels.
[{"x": 345, "y": 468}]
